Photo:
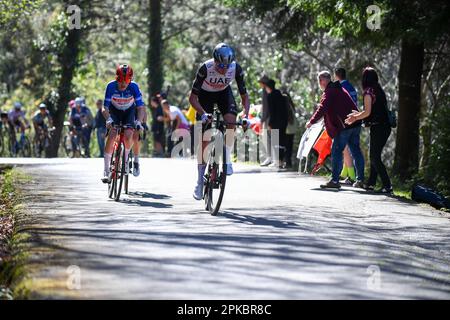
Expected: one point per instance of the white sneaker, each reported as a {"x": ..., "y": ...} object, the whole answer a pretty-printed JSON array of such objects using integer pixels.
[
  {"x": 266, "y": 162},
  {"x": 275, "y": 164},
  {"x": 198, "y": 191},
  {"x": 136, "y": 170},
  {"x": 229, "y": 169}
]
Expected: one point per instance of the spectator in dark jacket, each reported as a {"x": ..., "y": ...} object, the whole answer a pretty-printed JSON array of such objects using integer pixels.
[
  {"x": 100, "y": 125},
  {"x": 290, "y": 129},
  {"x": 278, "y": 121},
  {"x": 334, "y": 106},
  {"x": 157, "y": 127},
  {"x": 375, "y": 115},
  {"x": 264, "y": 123}
]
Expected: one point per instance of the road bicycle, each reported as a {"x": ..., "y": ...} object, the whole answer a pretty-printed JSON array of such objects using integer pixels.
[
  {"x": 118, "y": 167},
  {"x": 42, "y": 141},
  {"x": 74, "y": 142},
  {"x": 19, "y": 147},
  {"x": 215, "y": 177}
]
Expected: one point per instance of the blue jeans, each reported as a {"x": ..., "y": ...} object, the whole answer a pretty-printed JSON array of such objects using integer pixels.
[
  {"x": 348, "y": 137},
  {"x": 101, "y": 133}
]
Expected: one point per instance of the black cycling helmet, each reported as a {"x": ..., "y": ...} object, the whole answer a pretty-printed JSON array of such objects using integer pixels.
[{"x": 223, "y": 54}]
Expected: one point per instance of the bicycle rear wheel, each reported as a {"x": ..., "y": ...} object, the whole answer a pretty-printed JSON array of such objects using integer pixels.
[
  {"x": 67, "y": 145},
  {"x": 129, "y": 169},
  {"x": 120, "y": 173},
  {"x": 37, "y": 147},
  {"x": 12, "y": 147},
  {"x": 26, "y": 148},
  {"x": 215, "y": 180}
]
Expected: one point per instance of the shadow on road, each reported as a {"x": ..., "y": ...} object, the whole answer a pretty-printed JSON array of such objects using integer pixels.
[
  {"x": 369, "y": 193},
  {"x": 261, "y": 221},
  {"x": 148, "y": 195},
  {"x": 307, "y": 241},
  {"x": 141, "y": 203}
]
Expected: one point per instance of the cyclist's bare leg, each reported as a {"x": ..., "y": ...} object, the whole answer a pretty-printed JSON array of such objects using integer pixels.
[
  {"x": 128, "y": 142},
  {"x": 136, "y": 152},
  {"x": 136, "y": 145},
  {"x": 22, "y": 127},
  {"x": 109, "y": 146}
]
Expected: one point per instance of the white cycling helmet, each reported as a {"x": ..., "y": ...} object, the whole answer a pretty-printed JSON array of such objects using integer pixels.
[{"x": 17, "y": 105}]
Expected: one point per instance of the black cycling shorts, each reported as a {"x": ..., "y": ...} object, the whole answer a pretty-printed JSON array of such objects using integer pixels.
[
  {"x": 123, "y": 117},
  {"x": 224, "y": 100}
]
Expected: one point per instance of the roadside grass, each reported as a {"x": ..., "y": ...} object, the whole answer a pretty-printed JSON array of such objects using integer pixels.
[{"x": 13, "y": 241}]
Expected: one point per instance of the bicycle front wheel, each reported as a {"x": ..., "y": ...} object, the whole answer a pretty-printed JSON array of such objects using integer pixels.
[
  {"x": 120, "y": 173},
  {"x": 27, "y": 148},
  {"x": 113, "y": 165},
  {"x": 215, "y": 180}
]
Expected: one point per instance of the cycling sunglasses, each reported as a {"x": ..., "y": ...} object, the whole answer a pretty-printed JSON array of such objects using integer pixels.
[{"x": 223, "y": 65}]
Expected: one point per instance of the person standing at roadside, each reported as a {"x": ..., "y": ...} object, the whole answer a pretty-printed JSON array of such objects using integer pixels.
[
  {"x": 291, "y": 129},
  {"x": 375, "y": 116},
  {"x": 157, "y": 127},
  {"x": 100, "y": 125},
  {"x": 335, "y": 104},
  {"x": 278, "y": 121},
  {"x": 348, "y": 171},
  {"x": 265, "y": 116}
]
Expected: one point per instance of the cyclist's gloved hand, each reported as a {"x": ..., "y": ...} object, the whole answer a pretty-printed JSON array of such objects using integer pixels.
[
  {"x": 138, "y": 125},
  {"x": 206, "y": 117},
  {"x": 144, "y": 125},
  {"x": 109, "y": 122}
]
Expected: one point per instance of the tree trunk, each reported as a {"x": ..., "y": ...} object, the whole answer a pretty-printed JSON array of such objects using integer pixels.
[
  {"x": 154, "y": 61},
  {"x": 410, "y": 75},
  {"x": 68, "y": 62}
]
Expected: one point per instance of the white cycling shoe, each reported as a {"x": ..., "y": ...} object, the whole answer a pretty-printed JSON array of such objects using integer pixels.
[
  {"x": 198, "y": 191},
  {"x": 106, "y": 177},
  {"x": 229, "y": 169}
]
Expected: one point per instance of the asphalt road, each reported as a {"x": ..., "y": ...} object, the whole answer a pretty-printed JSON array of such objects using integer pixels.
[{"x": 278, "y": 237}]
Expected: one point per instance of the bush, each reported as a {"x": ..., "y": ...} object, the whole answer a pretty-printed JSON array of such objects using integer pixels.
[{"x": 437, "y": 173}]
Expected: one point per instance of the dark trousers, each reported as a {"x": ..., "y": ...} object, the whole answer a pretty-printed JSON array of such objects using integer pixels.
[
  {"x": 289, "y": 147},
  {"x": 101, "y": 133},
  {"x": 379, "y": 135},
  {"x": 281, "y": 147}
]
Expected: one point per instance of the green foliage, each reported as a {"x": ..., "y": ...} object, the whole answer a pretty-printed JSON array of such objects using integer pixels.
[
  {"x": 438, "y": 171},
  {"x": 12, "y": 12},
  {"x": 13, "y": 251},
  {"x": 415, "y": 20}
]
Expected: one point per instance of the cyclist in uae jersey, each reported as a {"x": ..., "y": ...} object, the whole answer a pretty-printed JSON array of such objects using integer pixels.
[
  {"x": 212, "y": 86},
  {"x": 122, "y": 100},
  {"x": 42, "y": 121}
]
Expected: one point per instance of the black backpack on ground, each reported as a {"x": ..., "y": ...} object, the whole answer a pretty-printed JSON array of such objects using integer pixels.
[{"x": 427, "y": 195}]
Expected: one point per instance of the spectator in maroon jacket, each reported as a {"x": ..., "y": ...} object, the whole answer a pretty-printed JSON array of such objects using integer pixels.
[{"x": 335, "y": 104}]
